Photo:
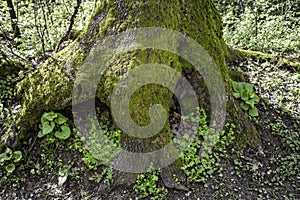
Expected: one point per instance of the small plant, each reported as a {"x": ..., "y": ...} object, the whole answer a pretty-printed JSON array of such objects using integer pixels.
[
  {"x": 7, "y": 88},
  {"x": 108, "y": 173},
  {"x": 54, "y": 122},
  {"x": 146, "y": 185},
  {"x": 245, "y": 92},
  {"x": 102, "y": 144},
  {"x": 199, "y": 169},
  {"x": 8, "y": 159},
  {"x": 63, "y": 173}
]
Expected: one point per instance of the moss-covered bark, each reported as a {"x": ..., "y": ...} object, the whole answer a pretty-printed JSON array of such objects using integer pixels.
[{"x": 50, "y": 86}]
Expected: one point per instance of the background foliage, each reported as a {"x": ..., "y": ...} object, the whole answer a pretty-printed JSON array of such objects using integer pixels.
[
  {"x": 271, "y": 26},
  {"x": 42, "y": 23}
]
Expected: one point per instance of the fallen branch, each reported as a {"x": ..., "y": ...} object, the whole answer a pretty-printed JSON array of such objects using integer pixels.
[{"x": 234, "y": 53}]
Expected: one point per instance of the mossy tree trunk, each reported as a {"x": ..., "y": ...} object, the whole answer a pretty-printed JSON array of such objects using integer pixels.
[{"x": 50, "y": 86}]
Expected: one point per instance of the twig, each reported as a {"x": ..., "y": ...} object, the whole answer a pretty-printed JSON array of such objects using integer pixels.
[{"x": 72, "y": 20}]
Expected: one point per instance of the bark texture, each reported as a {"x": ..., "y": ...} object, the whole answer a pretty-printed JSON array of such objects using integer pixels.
[{"x": 50, "y": 86}]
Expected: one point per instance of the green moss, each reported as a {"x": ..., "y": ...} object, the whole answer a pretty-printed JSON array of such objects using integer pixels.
[
  {"x": 185, "y": 17},
  {"x": 50, "y": 86}
]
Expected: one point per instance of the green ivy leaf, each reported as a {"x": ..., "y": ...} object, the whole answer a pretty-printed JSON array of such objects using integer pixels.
[
  {"x": 251, "y": 95},
  {"x": 10, "y": 168},
  {"x": 64, "y": 133},
  {"x": 250, "y": 102},
  {"x": 44, "y": 120},
  {"x": 17, "y": 155},
  {"x": 40, "y": 134},
  {"x": 8, "y": 152},
  {"x": 253, "y": 112},
  {"x": 60, "y": 119}
]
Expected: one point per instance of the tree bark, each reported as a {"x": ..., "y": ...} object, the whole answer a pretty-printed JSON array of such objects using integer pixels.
[
  {"x": 50, "y": 86},
  {"x": 13, "y": 18}
]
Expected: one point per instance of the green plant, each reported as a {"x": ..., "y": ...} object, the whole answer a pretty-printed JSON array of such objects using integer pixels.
[
  {"x": 199, "y": 169},
  {"x": 261, "y": 25},
  {"x": 63, "y": 173},
  {"x": 101, "y": 143},
  {"x": 108, "y": 173},
  {"x": 54, "y": 122},
  {"x": 245, "y": 92},
  {"x": 7, "y": 88},
  {"x": 8, "y": 159},
  {"x": 147, "y": 185},
  {"x": 53, "y": 126},
  {"x": 42, "y": 24}
]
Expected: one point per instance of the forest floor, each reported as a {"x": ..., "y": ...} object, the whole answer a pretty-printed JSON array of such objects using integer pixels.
[{"x": 268, "y": 173}]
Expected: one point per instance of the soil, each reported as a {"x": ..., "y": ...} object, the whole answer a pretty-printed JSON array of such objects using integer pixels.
[{"x": 236, "y": 183}]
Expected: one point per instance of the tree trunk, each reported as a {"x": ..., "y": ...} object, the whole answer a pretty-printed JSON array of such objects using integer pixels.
[
  {"x": 50, "y": 86},
  {"x": 13, "y": 18}
]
